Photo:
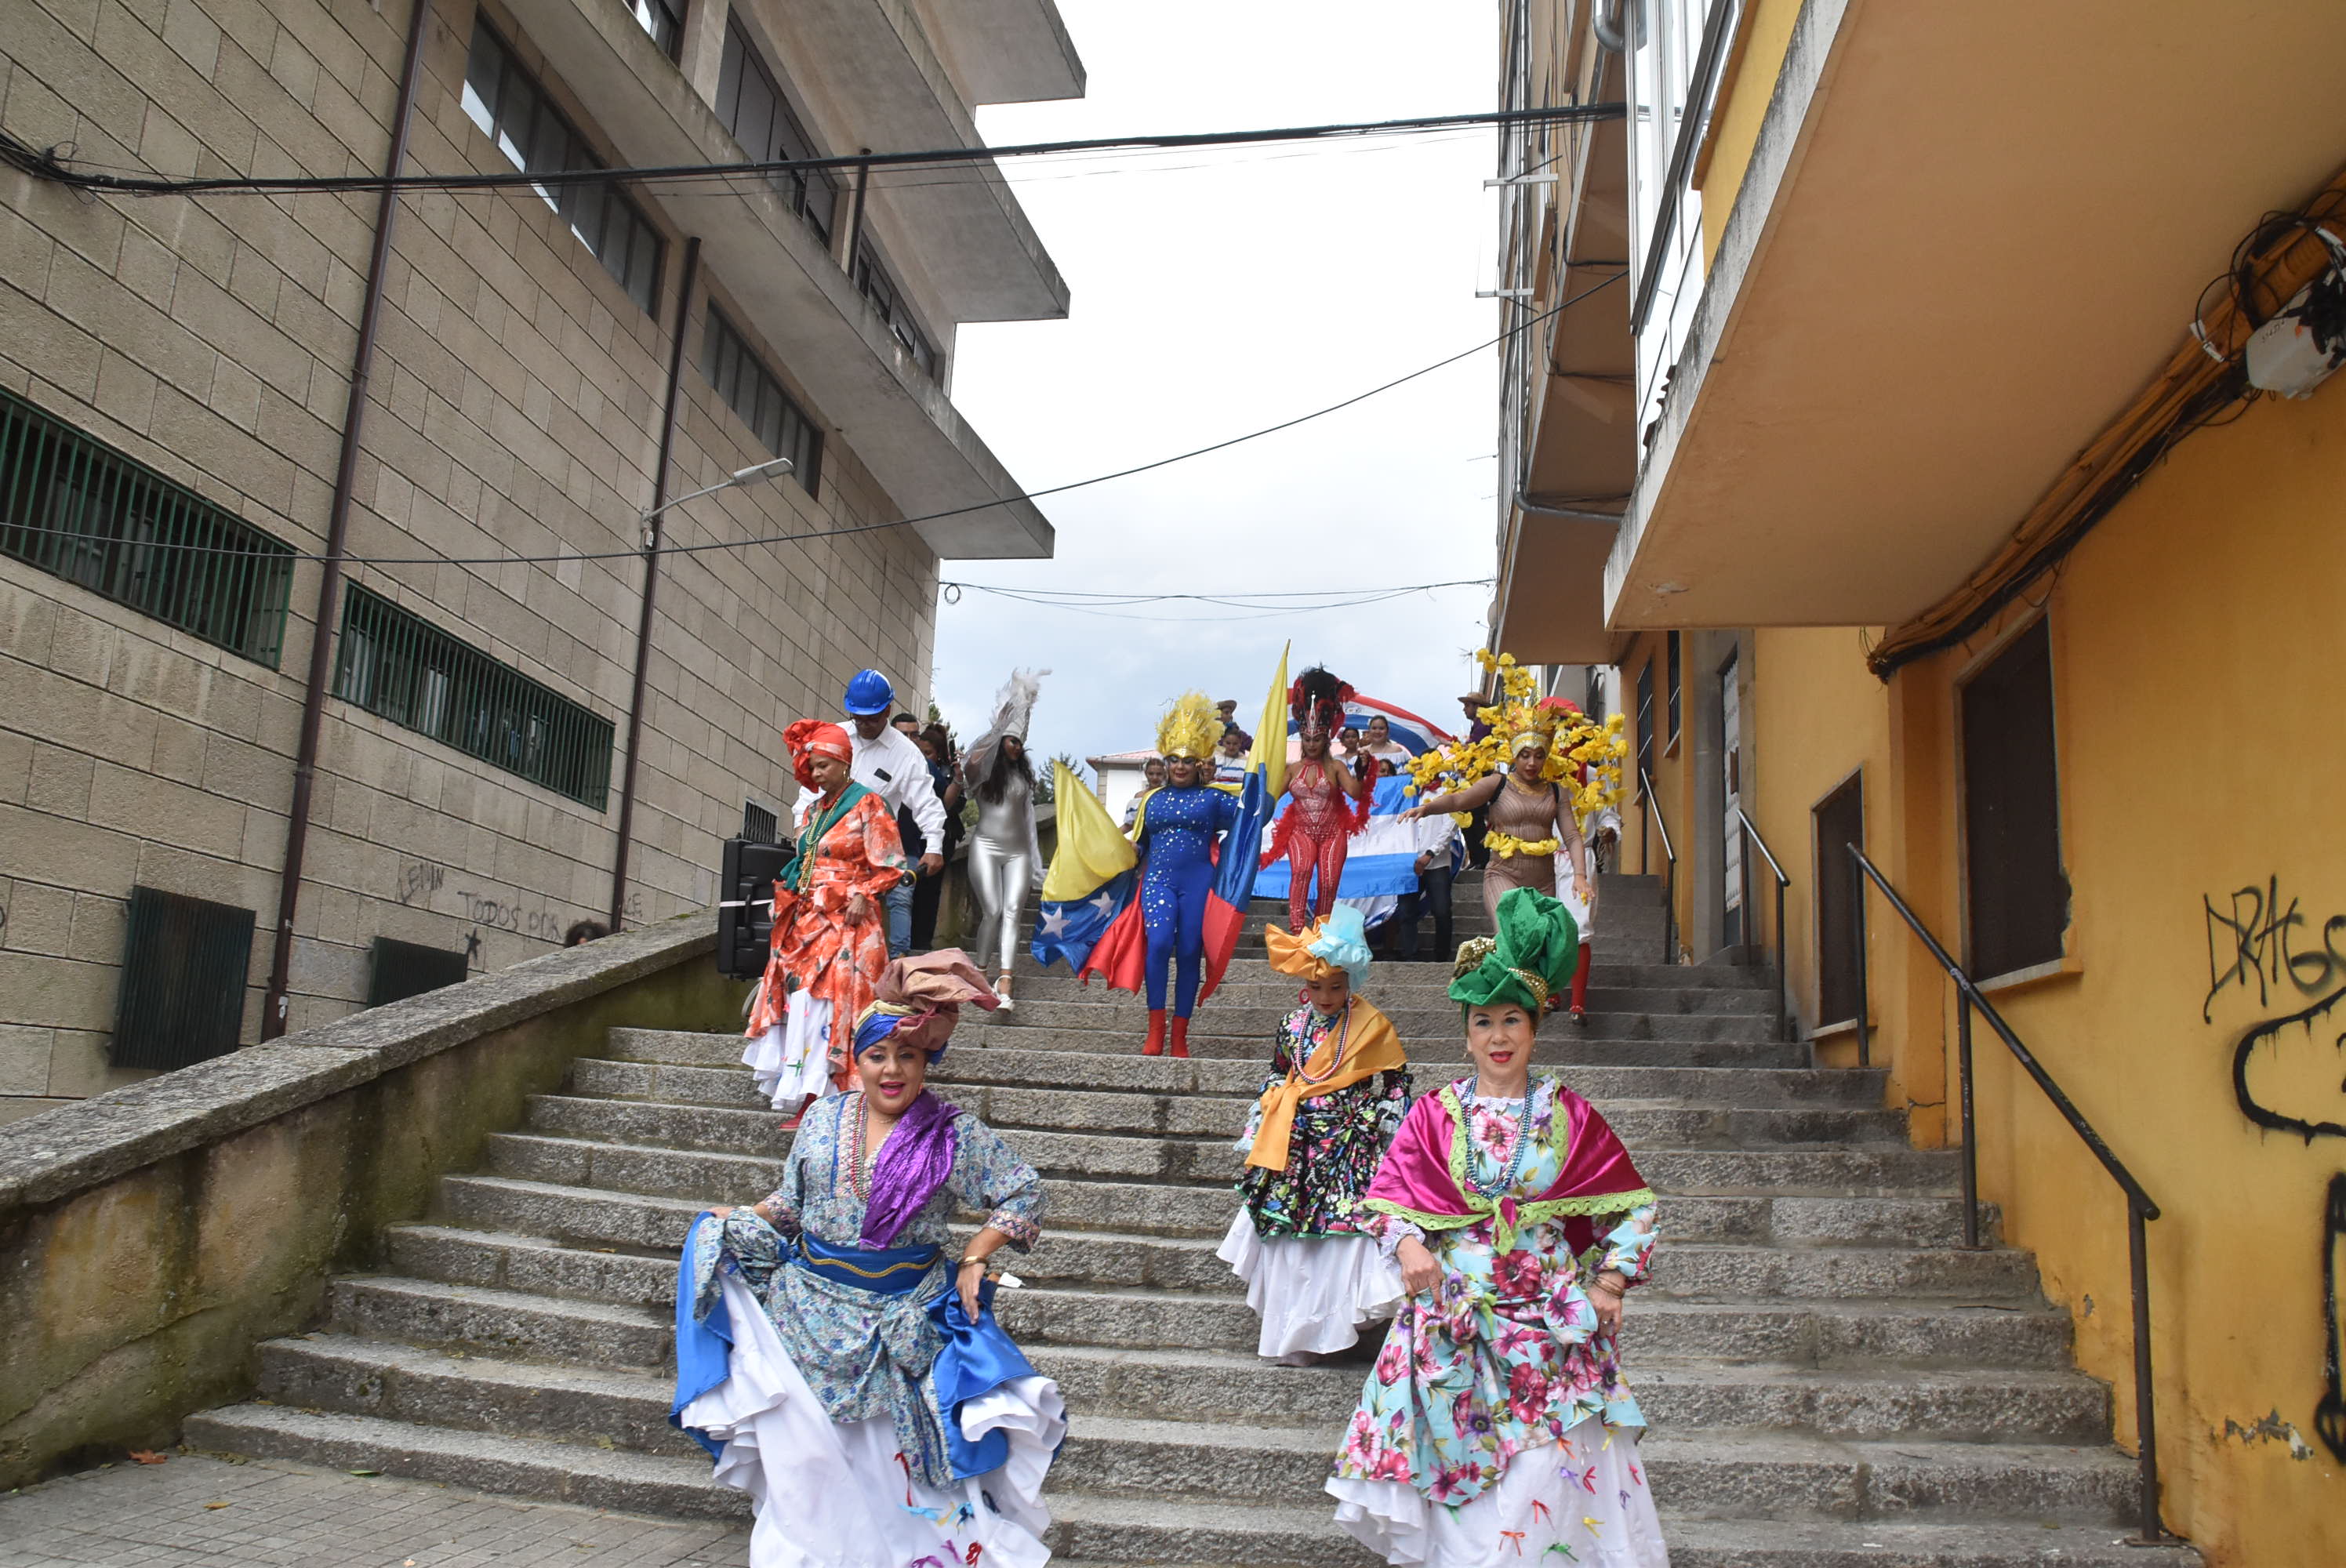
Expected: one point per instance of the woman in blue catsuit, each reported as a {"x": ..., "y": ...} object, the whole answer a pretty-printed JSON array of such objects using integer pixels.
[{"x": 1176, "y": 831}]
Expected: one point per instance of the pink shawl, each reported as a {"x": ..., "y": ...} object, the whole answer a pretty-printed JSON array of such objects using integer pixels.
[{"x": 1424, "y": 1177}]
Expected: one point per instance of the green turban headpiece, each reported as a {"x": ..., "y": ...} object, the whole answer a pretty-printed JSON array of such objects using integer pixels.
[{"x": 1530, "y": 960}]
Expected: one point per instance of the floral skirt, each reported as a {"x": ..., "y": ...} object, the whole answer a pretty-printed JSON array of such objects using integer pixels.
[{"x": 1584, "y": 1497}]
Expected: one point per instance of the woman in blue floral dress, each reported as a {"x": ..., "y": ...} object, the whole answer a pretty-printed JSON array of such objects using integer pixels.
[
  {"x": 1497, "y": 1424},
  {"x": 839, "y": 1368}
]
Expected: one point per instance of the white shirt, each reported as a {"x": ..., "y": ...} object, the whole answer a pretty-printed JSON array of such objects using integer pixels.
[
  {"x": 1433, "y": 836},
  {"x": 1230, "y": 769},
  {"x": 893, "y": 768}
]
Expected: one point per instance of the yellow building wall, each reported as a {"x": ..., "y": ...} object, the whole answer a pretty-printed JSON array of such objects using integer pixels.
[
  {"x": 2195, "y": 635},
  {"x": 1642, "y": 844},
  {"x": 1742, "y": 104}
]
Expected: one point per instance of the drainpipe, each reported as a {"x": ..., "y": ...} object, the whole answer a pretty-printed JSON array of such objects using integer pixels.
[
  {"x": 275, "y": 1002},
  {"x": 651, "y": 581}
]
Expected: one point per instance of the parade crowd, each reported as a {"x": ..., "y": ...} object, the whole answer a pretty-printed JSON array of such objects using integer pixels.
[{"x": 838, "y": 1353}]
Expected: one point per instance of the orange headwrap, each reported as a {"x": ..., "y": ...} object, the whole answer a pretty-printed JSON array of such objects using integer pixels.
[{"x": 807, "y": 738}]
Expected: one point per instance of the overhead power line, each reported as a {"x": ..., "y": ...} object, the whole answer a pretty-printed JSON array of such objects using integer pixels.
[
  {"x": 45, "y": 162},
  {"x": 1253, "y": 607},
  {"x": 667, "y": 549}
]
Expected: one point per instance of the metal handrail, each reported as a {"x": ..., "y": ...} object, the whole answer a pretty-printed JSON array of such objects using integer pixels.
[
  {"x": 1670, "y": 873},
  {"x": 1753, "y": 840},
  {"x": 2140, "y": 1209}
]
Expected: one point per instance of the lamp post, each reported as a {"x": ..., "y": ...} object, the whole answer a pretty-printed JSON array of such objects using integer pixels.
[{"x": 756, "y": 473}]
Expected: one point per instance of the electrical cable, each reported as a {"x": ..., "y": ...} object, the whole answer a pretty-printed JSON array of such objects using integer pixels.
[
  {"x": 44, "y": 163},
  {"x": 667, "y": 549},
  {"x": 1154, "y": 598}
]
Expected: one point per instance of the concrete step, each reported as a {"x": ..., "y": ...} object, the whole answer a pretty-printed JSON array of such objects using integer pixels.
[
  {"x": 1809, "y": 1169},
  {"x": 1562, "y": 1049},
  {"x": 2006, "y": 1404},
  {"x": 1748, "y": 1476},
  {"x": 509, "y": 1323},
  {"x": 1877, "y": 1543},
  {"x": 618, "y": 1480},
  {"x": 592, "y": 1218},
  {"x": 1874, "y": 1332},
  {"x": 726, "y": 1130},
  {"x": 704, "y": 1069},
  {"x": 1218, "y": 1018},
  {"x": 1407, "y": 991}
]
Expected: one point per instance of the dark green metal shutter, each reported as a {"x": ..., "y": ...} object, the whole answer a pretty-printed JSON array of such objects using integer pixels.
[
  {"x": 183, "y": 977},
  {"x": 406, "y": 968}
]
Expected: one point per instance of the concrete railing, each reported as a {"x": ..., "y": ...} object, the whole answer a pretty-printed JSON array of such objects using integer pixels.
[{"x": 151, "y": 1237}]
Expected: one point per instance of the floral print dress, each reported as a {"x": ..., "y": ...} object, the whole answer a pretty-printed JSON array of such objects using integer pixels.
[
  {"x": 824, "y": 964},
  {"x": 1332, "y": 1152},
  {"x": 1505, "y": 1359}
]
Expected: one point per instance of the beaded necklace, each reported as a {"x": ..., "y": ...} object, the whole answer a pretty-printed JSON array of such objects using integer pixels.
[
  {"x": 1515, "y": 1164},
  {"x": 1343, "y": 1040},
  {"x": 859, "y": 1173}
]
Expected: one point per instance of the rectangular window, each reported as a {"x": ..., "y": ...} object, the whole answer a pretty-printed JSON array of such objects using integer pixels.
[
  {"x": 1840, "y": 821},
  {"x": 403, "y": 969},
  {"x": 1674, "y": 688},
  {"x": 2018, "y": 895},
  {"x": 872, "y": 277},
  {"x": 661, "y": 19},
  {"x": 183, "y": 980},
  {"x": 412, "y": 673},
  {"x": 75, "y": 507},
  {"x": 759, "y": 825},
  {"x": 734, "y": 369},
  {"x": 513, "y": 111},
  {"x": 750, "y": 105}
]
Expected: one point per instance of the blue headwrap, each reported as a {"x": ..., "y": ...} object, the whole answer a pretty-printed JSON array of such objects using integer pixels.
[
  {"x": 881, "y": 1020},
  {"x": 1343, "y": 941}
]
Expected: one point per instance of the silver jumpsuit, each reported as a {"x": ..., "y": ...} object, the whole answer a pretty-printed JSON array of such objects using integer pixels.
[{"x": 1003, "y": 864}]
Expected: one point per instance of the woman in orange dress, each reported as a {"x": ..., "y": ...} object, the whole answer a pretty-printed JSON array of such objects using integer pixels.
[{"x": 831, "y": 925}]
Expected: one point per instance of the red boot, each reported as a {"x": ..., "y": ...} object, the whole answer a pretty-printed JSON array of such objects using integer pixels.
[
  {"x": 1154, "y": 1045},
  {"x": 1181, "y": 1038},
  {"x": 1580, "y": 987}
]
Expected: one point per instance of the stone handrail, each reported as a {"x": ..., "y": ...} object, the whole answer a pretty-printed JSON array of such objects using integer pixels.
[{"x": 151, "y": 1237}]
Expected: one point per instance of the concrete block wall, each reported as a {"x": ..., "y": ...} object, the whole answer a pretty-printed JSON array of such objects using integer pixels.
[{"x": 515, "y": 410}]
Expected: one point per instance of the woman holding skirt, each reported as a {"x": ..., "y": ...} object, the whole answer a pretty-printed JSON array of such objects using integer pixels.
[
  {"x": 831, "y": 925},
  {"x": 836, "y": 1357},
  {"x": 1497, "y": 1423},
  {"x": 1339, "y": 1084}
]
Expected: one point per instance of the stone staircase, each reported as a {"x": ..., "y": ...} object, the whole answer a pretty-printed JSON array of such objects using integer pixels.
[{"x": 1832, "y": 1380}]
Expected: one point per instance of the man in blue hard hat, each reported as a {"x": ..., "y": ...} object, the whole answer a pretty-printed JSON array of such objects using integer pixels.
[{"x": 891, "y": 766}]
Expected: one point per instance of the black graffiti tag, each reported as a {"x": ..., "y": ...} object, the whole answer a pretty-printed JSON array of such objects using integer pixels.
[
  {"x": 2330, "y": 1413},
  {"x": 2255, "y": 940},
  {"x": 2278, "y": 1038}
]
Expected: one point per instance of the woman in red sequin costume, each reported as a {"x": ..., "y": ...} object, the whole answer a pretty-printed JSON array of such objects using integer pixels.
[{"x": 1315, "y": 834}]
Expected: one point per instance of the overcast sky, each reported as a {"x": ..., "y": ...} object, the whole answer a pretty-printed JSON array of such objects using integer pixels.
[{"x": 1247, "y": 287}]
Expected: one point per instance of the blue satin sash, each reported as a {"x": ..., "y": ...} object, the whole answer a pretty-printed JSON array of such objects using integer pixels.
[
  {"x": 976, "y": 1359},
  {"x": 883, "y": 1272}
]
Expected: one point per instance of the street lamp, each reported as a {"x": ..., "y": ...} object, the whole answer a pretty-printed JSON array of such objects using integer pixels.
[{"x": 756, "y": 473}]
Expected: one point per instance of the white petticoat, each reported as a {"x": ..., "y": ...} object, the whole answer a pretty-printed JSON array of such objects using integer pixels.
[
  {"x": 1584, "y": 914},
  {"x": 1587, "y": 1493},
  {"x": 793, "y": 1059},
  {"x": 1311, "y": 1295},
  {"x": 832, "y": 1494}
]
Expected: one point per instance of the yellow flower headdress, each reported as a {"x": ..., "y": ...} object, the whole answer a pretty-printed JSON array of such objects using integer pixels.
[
  {"x": 1574, "y": 741},
  {"x": 1193, "y": 728}
]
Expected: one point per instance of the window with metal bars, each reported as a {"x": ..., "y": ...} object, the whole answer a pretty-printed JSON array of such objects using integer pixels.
[
  {"x": 399, "y": 970},
  {"x": 409, "y": 671},
  {"x": 872, "y": 277},
  {"x": 75, "y": 506},
  {"x": 661, "y": 20},
  {"x": 749, "y": 104},
  {"x": 759, "y": 825},
  {"x": 513, "y": 110},
  {"x": 733, "y": 368},
  {"x": 183, "y": 981}
]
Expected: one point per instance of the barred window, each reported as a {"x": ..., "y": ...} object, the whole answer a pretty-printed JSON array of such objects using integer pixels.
[
  {"x": 872, "y": 277},
  {"x": 184, "y": 964},
  {"x": 660, "y": 19},
  {"x": 750, "y": 105},
  {"x": 75, "y": 506},
  {"x": 513, "y": 111},
  {"x": 409, "y": 671},
  {"x": 733, "y": 368}
]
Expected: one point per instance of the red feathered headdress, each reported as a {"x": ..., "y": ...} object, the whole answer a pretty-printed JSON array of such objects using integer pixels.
[{"x": 1317, "y": 701}]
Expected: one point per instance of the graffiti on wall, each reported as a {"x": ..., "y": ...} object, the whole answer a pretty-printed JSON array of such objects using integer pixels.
[
  {"x": 2286, "y": 1070},
  {"x": 2330, "y": 1413}
]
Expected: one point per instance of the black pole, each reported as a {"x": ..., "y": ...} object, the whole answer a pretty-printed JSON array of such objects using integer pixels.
[
  {"x": 277, "y": 1000},
  {"x": 1971, "y": 1142},
  {"x": 2146, "y": 1423},
  {"x": 1783, "y": 979},
  {"x": 626, "y": 827}
]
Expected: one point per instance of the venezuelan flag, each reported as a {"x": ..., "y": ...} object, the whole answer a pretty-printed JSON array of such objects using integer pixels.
[{"x": 1091, "y": 882}]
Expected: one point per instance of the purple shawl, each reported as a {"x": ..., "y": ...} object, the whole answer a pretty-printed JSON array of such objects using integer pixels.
[
  {"x": 1420, "y": 1178},
  {"x": 913, "y": 1163}
]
